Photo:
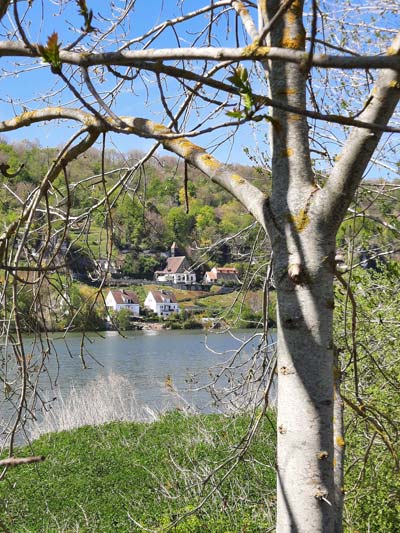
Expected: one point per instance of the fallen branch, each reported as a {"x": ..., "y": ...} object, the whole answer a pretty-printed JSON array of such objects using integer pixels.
[{"x": 16, "y": 461}]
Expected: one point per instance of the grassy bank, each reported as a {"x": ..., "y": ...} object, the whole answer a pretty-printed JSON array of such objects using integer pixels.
[
  {"x": 107, "y": 477},
  {"x": 115, "y": 476}
]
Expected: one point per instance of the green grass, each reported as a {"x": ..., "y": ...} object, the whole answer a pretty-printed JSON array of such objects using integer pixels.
[
  {"x": 96, "y": 478},
  {"x": 96, "y": 240}
]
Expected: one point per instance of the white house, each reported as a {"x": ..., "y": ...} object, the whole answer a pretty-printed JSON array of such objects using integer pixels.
[
  {"x": 163, "y": 303},
  {"x": 177, "y": 269},
  {"x": 122, "y": 299},
  {"x": 222, "y": 275}
]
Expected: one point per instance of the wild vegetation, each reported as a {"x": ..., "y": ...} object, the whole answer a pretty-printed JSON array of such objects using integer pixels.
[
  {"x": 116, "y": 476},
  {"x": 368, "y": 239},
  {"x": 367, "y": 334}
]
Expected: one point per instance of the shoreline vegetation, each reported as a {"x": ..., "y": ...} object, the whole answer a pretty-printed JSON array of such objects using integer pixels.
[
  {"x": 113, "y": 465},
  {"x": 120, "y": 475}
]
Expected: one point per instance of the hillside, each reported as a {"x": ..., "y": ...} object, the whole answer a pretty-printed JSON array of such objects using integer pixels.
[
  {"x": 133, "y": 230},
  {"x": 136, "y": 225},
  {"x": 160, "y": 204}
]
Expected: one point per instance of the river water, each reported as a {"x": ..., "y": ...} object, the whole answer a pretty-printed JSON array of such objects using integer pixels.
[{"x": 164, "y": 369}]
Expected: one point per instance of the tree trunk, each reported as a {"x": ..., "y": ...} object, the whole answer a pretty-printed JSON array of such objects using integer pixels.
[
  {"x": 339, "y": 447},
  {"x": 305, "y": 388}
]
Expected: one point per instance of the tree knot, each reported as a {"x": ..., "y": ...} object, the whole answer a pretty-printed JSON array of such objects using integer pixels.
[
  {"x": 296, "y": 273},
  {"x": 322, "y": 455},
  {"x": 322, "y": 495}
]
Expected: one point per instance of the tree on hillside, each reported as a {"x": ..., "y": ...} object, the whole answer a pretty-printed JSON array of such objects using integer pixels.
[{"x": 317, "y": 84}]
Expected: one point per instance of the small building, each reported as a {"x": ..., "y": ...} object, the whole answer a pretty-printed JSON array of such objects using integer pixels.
[
  {"x": 222, "y": 275},
  {"x": 162, "y": 303},
  {"x": 122, "y": 299},
  {"x": 177, "y": 269}
]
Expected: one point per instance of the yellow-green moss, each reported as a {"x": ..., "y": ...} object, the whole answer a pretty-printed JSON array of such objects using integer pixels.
[
  {"x": 210, "y": 161},
  {"x": 241, "y": 9},
  {"x": 255, "y": 50},
  {"x": 391, "y": 51},
  {"x": 295, "y": 42},
  {"x": 238, "y": 179},
  {"x": 294, "y": 12},
  {"x": 287, "y": 152},
  {"x": 188, "y": 147},
  {"x": 300, "y": 221},
  {"x": 340, "y": 441},
  {"x": 288, "y": 91},
  {"x": 25, "y": 117},
  {"x": 160, "y": 128}
]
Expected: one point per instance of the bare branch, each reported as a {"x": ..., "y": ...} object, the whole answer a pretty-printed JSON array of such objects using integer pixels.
[
  {"x": 247, "y": 19},
  {"x": 248, "y": 53},
  {"x": 360, "y": 145}
]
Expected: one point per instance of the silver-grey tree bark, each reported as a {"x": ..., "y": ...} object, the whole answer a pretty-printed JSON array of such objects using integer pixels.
[{"x": 301, "y": 216}]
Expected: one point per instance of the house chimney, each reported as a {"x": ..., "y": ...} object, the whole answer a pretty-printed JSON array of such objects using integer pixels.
[{"x": 173, "y": 249}]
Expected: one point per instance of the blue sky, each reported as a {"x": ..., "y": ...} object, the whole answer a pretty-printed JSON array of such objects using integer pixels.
[{"x": 16, "y": 87}]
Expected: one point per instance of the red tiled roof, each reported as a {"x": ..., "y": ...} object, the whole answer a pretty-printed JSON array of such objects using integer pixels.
[
  {"x": 161, "y": 296},
  {"x": 125, "y": 297},
  {"x": 227, "y": 270}
]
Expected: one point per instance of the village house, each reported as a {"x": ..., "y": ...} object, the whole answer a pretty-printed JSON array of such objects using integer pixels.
[
  {"x": 177, "y": 269},
  {"x": 162, "y": 303},
  {"x": 222, "y": 275},
  {"x": 121, "y": 299}
]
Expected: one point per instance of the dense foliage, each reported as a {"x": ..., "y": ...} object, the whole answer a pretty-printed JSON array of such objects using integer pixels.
[
  {"x": 155, "y": 210},
  {"x": 367, "y": 334}
]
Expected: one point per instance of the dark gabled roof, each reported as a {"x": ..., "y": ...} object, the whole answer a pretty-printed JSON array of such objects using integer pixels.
[
  {"x": 227, "y": 276},
  {"x": 125, "y": 297},
  {"x": 161, "y": 296}
]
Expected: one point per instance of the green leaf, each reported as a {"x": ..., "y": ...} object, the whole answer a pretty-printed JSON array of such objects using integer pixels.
[
  {"x": 247, "y": 100},
  {"x": 235, "y": 80},
  {"x": 51, "y": 52},
  {"x": 240, "y": 78},
  {"x": 83, "y": 10},
  {"x": 235, "y": 114},
  {"x": 243, "y": 74}
]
